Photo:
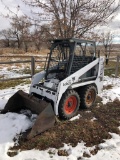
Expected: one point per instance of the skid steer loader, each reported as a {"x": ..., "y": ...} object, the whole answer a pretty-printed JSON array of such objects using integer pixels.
[{"x": 72, "y": 77}]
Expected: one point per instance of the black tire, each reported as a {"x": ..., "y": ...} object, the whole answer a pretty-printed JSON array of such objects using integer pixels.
[
  {"x": 69, "y": 104},
  {"x": 88, "y": 96}
]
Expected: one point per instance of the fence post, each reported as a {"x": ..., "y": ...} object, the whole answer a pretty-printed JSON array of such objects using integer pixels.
[
  {"x": 32, "y": 66},
  {"x": 117, "y": 67}
]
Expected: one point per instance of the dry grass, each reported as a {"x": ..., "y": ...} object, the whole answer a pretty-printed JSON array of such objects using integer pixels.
[
  {"x": 111, "y": 63},
  {"x": 108, "y": 87},
  {"x": 6, "y": 51},
  {"x": 16, "y": 51},
  {"x": 9, "y": 56},
  {"x": 13, "y": 83}
]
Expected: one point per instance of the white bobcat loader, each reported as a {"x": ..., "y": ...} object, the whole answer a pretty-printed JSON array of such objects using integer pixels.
[{"x": 72, "y": 77}]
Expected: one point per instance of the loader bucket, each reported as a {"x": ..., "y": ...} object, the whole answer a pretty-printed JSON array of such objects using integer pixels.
[{"x": 46, "y": 117}]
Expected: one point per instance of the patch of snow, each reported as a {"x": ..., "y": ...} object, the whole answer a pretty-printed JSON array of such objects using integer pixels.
[
  {"x": 11, "y": 124},
  {"x": 5, "y": 94},
  {"x": 5, "y": 73},
  {"x": 76, "y": 117},
  {"x": 38, "y": 67},
  {"x": 93, "y": 119},
  {"x": 113, "y": 93},
  {"x": 88, "y": 111}
]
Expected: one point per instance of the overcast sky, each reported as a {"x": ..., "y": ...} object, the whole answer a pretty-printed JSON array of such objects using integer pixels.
[
  {"x": 113, "y": 26},
  {"x": 12, "y": 5}
]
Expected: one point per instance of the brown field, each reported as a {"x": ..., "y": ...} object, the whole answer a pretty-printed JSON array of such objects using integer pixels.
[{"x": 15, "y": 51}]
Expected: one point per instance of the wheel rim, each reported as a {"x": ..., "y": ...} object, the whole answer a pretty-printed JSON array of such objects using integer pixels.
[
  {"x": 70, "y": 105},
  {"x": 90, "y": 97}
]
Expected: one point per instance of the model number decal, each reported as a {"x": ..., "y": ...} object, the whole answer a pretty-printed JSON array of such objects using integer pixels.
[{"x": 67, "y": 83}]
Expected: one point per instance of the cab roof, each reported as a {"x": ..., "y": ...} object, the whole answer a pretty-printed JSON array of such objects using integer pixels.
[{"x": 73, "y": 40}]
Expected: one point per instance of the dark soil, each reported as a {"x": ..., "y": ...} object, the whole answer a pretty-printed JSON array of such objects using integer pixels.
[{"x": 92, "y": 132}]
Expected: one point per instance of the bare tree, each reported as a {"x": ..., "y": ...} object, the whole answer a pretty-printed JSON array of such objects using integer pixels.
[
  {"x": 16, "y": 27},
  {"x": 107, "y": 40},
  {"x": 40, "y": 36},
  {"x": 21, "y": 29},
  {"x": 6, "y": 35},
  {"x": 75, "y": 17}
]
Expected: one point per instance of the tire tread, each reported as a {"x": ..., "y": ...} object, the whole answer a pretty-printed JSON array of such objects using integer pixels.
[{"x": 68, "y": 93}]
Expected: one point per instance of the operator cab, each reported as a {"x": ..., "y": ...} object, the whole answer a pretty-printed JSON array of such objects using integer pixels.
[
  {"x": 58, "y": 59},
  {"x": 68, "y": 56}
]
